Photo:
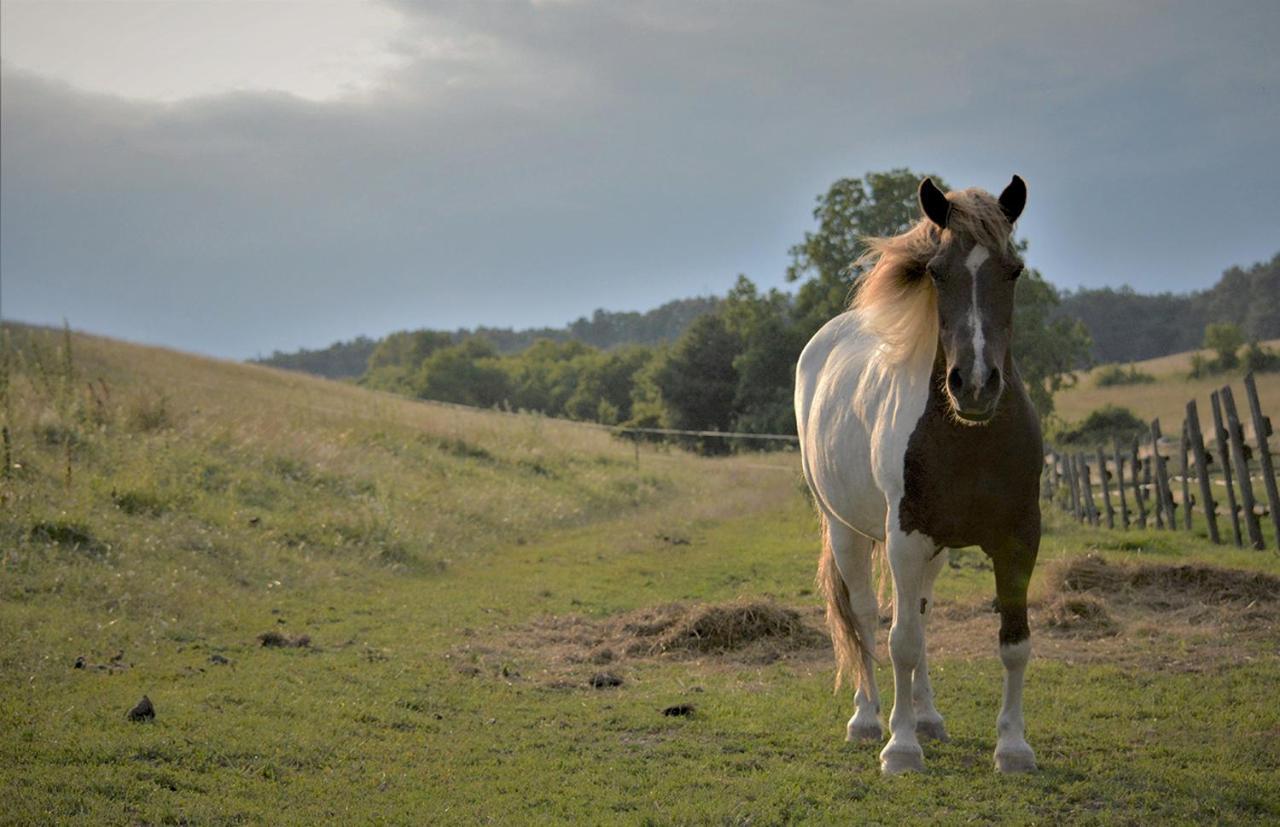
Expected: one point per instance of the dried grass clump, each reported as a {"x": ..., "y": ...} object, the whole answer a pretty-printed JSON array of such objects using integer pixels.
[
  {"x": 727, "y": 627},
  {"x": 1159, "y": 586},
  {"x": 277, "y": 640},
  {"x": 1080, "y": 615}
]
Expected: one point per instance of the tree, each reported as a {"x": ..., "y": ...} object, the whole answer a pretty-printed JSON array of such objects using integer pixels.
[
  {"x": 1225, "y": 339},
  {"x": 467, "y": 373},
  {"x": 770, "y": 344},
  {"x": 1048, "y": 350},
  {"x": 604, "y": 387},
  {"x": 397, "y": 358},
  {"x": 696, "y": 381},
  {"x": 878, "y": 204}
]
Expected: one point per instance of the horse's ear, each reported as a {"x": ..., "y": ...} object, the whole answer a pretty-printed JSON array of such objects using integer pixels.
[
  {"x": 1014, "y": 198},
  {"x": 934, "y": 203}
]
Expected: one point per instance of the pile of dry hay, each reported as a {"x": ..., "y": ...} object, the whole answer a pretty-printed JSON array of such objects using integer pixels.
[
  {"x": 1160, "y": 586},
  {"x": 745, "y": 630},
  {"x": 1089, "y": 596},
  {"x": 715, "y": 627}
]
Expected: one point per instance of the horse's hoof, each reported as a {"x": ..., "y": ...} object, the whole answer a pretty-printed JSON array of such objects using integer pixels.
[
  {"x": 1016, "y": 759},
  {"x": 934, "y": 730},
  {"x": 864, "y": 732},
  {"x": 895, "y": 760}
]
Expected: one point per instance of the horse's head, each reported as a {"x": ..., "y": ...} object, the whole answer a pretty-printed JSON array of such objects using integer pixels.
[{"x": 975, "y": 280}]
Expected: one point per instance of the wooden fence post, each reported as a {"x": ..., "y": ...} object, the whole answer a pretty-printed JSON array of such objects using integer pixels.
[
  {"x": 1236, "y": 434},
  {"x": 1224, "y": 452},
  {"x": 1162, "y": 477},
  {"x": 1069, "y": 469},
  {"x": 1151, "y": 490},
  {"x": 1124, "y": 500},
  {"x": 1183, "y": 451},
  {"x": 1262, "y": 430},
  {"x": 1106, "y": 489},
  {"x": 1209, "y": 504},
  {"x": 1090, "y": 507},
  {"x": 1137, "y": 488}
]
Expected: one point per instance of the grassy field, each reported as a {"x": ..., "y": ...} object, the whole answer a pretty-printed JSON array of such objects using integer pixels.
[
  {"x": 1167, "y": 397},
  {"x": 461, "y": 578}
]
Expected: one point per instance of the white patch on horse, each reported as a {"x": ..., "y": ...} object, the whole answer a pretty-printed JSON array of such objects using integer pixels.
[
  {"x": 973, "y": 263},
  {"x": 1013, "y": 753}
]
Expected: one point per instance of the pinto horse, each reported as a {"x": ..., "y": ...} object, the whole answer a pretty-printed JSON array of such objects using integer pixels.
[{"x": 916, "y": 436}]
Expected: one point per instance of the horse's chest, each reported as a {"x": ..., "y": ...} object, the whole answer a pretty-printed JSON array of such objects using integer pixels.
[{"x": 967, "y": 486}]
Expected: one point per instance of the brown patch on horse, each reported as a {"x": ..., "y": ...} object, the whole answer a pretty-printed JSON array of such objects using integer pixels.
[{"x": 974, "y": 486}]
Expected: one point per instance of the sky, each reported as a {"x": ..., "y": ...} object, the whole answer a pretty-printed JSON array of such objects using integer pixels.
[{"x": 234, "y": 178}]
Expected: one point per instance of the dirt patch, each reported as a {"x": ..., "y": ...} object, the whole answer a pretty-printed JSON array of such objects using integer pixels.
[{"x": 570, "y": 648}]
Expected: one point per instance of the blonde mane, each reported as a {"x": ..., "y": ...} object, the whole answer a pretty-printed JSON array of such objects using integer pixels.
[{"x": 894, "y": 300}]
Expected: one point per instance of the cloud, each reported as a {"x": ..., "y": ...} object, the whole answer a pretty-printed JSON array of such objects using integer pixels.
[{"x": 527, "y": 163}]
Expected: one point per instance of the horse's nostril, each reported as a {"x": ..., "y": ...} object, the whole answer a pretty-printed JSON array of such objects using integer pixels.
[
  {"x": 993, "y": 381},
  {"x": 955, "y": 381}
]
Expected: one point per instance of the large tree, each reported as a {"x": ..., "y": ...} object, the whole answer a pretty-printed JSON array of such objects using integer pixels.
[{"x": 877, "y": 204}]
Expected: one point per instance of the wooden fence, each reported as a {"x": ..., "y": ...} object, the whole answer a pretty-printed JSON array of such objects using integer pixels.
[{"x": 1161, "y": 480}]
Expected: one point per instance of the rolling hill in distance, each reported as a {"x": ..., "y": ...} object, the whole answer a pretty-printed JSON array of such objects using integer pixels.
[{"x": 1125, "y": 325}]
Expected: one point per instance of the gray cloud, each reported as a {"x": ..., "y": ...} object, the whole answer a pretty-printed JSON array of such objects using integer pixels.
[{"x": 532, "y": 162}]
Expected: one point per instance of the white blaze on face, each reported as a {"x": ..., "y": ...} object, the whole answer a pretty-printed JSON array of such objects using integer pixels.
[{"x": 973, "y": 263}]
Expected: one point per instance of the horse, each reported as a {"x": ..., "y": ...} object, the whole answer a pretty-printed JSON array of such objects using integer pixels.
[{"x": 916, "y": 436}]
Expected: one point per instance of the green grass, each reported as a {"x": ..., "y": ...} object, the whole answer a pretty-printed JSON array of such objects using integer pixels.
[{"x": 416, "y": 550}]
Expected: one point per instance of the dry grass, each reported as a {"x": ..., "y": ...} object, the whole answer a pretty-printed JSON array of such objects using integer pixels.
[
  {"x": 1167, "y": 397},
  {"x": 1185, "y": 618},
  {"x": 1159, "y": 586},
  {"x": 568, "y": 650}
]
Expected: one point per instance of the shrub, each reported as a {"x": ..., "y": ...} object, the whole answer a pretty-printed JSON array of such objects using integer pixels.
[
  {"x": 149, "y": 412},
  {"x": 1260, "y": 359},
  {"x": 1103, "y": 426},
  {"x": 1111, "y": 375}
]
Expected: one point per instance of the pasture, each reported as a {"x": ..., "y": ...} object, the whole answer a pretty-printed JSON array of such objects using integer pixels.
[
  {"x": 1165, "y": 398},
  {"x": 452, "y": 594}
]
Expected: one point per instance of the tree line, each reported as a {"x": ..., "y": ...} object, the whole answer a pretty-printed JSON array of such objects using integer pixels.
[
  {"x": 1127, "y": 326},
  {"x": 726, "y": 364}
]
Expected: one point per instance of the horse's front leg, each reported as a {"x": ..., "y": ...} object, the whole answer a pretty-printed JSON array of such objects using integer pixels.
[
  {"x": 909, "y": 556},
  {"x": 929, "y": 723},
  {"x": 1013, "y": 575}
]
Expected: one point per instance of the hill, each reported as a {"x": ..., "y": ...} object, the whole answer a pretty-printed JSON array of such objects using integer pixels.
[
  {"x": 1167, "y": 396},
  {"x": 348, "y": 606}
]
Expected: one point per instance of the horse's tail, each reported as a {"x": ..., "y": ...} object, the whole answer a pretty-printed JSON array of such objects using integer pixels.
[{"x": 853, "y": 651}]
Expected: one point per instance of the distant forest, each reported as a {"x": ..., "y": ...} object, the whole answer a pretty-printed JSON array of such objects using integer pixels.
[
  {"x": 605, "y": 330},
  {"x": 1128, "y": 327},
  {"x": 1125, "y": 326}
]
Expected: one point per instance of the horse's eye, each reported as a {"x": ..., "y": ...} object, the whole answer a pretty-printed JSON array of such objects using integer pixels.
[
  {"x": 933, "y": 274},
  {"x": 1017, "y": 271}
]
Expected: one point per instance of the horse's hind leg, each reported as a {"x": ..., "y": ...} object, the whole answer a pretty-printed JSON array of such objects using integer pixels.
[
  {"x": 928, "y": 722},
  {"x": 853, "y": 554}
]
